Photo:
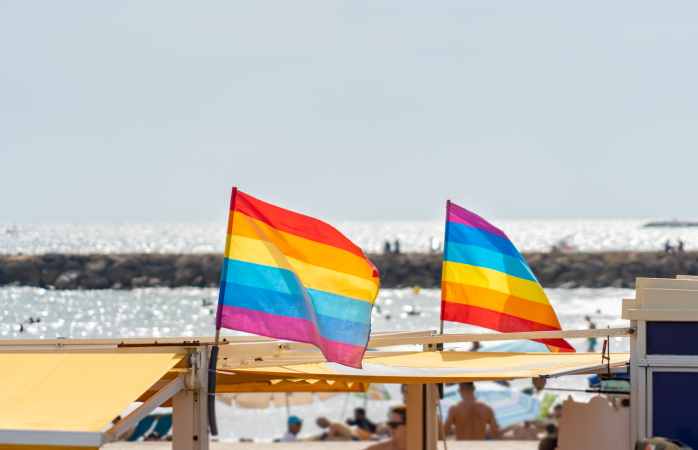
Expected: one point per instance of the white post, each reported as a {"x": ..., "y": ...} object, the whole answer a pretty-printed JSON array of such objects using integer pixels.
[{"x": 189, "y": 412}]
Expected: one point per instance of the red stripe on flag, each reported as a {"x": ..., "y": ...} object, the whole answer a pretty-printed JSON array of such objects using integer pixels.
[
  {"x": 473, "y": 315},
  {"x": 292, "y": 222}
]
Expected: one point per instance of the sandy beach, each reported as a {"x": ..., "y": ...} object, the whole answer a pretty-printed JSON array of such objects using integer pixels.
[{"x": 452, "y": 445}]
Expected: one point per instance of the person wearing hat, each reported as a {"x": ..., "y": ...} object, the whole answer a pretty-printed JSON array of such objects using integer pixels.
[{"x": 294, "y": 427}]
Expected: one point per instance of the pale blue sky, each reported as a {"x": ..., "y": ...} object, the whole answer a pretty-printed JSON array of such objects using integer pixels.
[{"x": 120, "y": 111}]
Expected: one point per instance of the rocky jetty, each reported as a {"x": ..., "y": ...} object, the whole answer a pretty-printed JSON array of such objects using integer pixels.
[{"x": 127, "y": 271}]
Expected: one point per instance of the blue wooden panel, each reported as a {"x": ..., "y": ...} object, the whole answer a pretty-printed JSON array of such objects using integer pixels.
[
  {"x": 672, "y": 338},
  {"x": 674, "y": 402}
]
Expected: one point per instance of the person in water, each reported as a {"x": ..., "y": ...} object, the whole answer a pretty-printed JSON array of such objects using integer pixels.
[
  {"x": 397, "y": 422},
  {"x": 591, "y": 341},
  {"x": 471, "y": 419}
]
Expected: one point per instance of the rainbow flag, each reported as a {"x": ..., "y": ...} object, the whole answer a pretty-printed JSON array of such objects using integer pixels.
[
  {"x": 485, "y": 281},
  {"x": 289, "y": 276}
]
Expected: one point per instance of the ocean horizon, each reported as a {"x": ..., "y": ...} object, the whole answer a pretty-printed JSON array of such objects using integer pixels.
[{"x": 530, "y": 235}]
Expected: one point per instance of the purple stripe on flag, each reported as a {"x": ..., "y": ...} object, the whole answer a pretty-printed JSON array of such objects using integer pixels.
[
  {"x": 290, "y": 328},
  {"x": 461, "y": 215}
]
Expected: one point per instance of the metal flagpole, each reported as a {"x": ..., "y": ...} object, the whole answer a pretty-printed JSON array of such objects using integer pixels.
[
  {"x": 441, "y": 306},
  {"x": 211, "y": 404},
  {"x": 213, "y": 358},
  {"x": 440, "y": 346}
]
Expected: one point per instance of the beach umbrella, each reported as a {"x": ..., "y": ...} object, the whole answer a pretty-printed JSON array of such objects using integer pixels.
[
  {"x": 514, "y": 346},
  {"x": 509, "y": 405},
  {"x": 375, "y": 392},
  {"x": 264, "y": 400}
]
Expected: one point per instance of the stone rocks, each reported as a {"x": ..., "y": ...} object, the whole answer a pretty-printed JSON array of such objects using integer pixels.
[
  {"x": 125, "y": 271},
  {"x": 67, "y": 280}
]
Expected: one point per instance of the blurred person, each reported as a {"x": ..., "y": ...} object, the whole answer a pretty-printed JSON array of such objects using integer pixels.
[
  {"x": 397, "y": 422},
  {"x": 387, "y": 249},
  {"x": 361, "y": 421},
  {"x": 294, "y": 425},
  {"x": 334, "y": 431},
  {"x": 549, "y": 441},
  {"x": 591, "y": 341},
  {"x": 538, "y": 383},
  {"x": 668, "y": 248},
  {"x": 557, "y": 412},
  {"x": 526, "y": 431},
  {"x": 471, "y": 419}
]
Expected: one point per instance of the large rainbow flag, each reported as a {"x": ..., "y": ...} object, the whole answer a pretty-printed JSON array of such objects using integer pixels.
[
  {"x": 485, "y": 281},
  {"x": 289, "y": 276}
]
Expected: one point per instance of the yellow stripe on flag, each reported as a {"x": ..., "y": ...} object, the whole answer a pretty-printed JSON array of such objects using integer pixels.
[
  {"x": 315, "y": 277},
  {"x": 302, "y": 249},
  {"x": 491, "y": 279}
]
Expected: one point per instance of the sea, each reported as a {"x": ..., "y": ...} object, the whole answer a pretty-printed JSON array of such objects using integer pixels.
[
  {"x": 414, "y": 236},
  {"x": 27, "y": 312}
]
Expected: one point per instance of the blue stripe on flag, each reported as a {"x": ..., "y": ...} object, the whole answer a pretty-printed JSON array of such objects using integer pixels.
[
  {"x": 482, "y": 257},
  {"x": 463, "y": 234}
]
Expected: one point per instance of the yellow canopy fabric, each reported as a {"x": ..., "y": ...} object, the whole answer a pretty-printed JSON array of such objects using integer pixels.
[
  {"x": 437, "y": 367},
  {"x": 74, "y": 391}
]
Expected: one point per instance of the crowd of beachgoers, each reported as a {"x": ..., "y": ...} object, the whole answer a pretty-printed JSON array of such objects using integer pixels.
[{"x": 469, "y": 419}]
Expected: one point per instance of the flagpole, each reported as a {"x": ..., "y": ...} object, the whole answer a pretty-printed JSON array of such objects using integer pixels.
[
  {"x": 211, "y": 404},
  {"x": 441, "y": 306},
  {"x": 213, "y": 359},
  {"x": 440, "y": 347}
]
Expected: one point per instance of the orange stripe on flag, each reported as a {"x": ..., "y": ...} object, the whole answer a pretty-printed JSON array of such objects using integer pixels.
[
  {"x": 306, "y": 250},
  {"x": 499, "y": 321},
  {"x": 499, "y": 302}
]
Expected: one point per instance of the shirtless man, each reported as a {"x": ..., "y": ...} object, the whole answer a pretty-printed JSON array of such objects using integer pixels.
[
  {"x": 471, "y": 419},
  {"x": 397, "y": 421},
  {"x": 333, "y": 431}
]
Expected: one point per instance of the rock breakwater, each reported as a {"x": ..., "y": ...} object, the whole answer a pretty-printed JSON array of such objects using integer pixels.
[{"x": 127, "y": 271}]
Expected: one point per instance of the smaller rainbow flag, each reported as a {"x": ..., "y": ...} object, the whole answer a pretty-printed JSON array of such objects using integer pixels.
[
  {"x": 289, "y": 276},
  {"x": 486, "y": 282}
]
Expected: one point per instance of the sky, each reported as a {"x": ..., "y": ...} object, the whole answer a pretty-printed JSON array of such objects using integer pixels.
[{"x": 354, "y": 110}]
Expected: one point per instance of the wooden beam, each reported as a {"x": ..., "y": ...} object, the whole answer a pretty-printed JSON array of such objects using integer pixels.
[
  {"x": 472, "y": 337},
  {"x": 157, "y": 399},
  {"x": 280, "y": 352},
  {"x": 173, "y": 341}
]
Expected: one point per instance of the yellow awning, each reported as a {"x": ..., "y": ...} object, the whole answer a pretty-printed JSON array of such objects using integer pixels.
[
  {"x": 74, "y": 391},
  {"x": 438, "y": 367}
]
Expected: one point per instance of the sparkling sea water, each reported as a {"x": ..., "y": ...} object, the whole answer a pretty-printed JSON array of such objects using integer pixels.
[{"x": 419, "y": 236}]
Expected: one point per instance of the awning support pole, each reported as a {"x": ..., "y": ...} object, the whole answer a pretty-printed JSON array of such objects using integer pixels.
[
  {"x": 422, "y": 423},
  {"x": 129, "y": 422},
  {"x": 189, "y": 412}
]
